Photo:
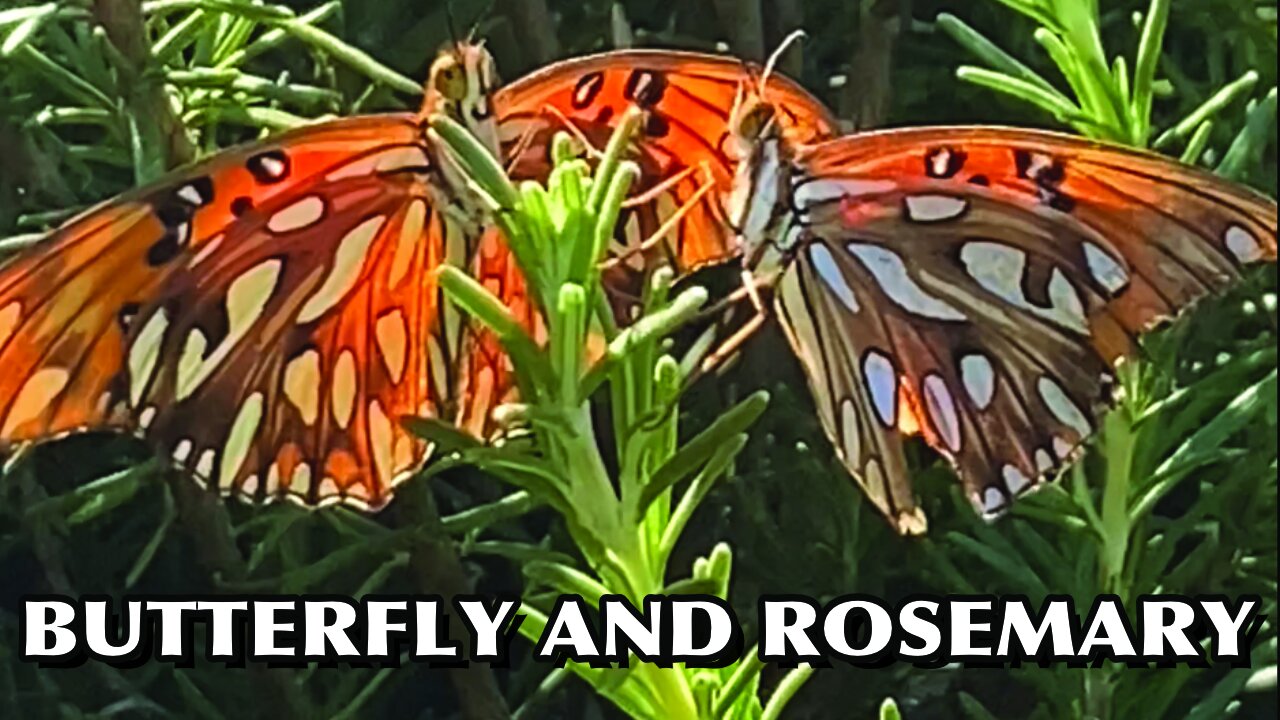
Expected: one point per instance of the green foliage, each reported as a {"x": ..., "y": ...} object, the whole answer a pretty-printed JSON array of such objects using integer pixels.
[
  {"x": 559, "y": 234},
  {"x": 1178, "y": 495}
]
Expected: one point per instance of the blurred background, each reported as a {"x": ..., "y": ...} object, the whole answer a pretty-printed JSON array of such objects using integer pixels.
[{"x": 96, "y": 97}]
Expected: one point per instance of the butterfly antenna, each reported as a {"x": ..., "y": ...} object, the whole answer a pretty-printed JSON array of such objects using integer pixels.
[
  {"x": 484, "y": 15},
  {"x": 794, "y": 37},
  {"x": 754, "y": 80},
  {"x": 451, "y": 25}
]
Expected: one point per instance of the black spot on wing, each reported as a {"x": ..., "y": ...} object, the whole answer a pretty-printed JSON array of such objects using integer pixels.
[
  {"x": 1057, "y": 200},
  {"x": 645, "y": 88},
  {"x": 270, "y": 166},
  {"x": 172, "y": 212},
  {"x": 128, "y": 312},
  {"x": 656, "y": 126},
  {"x": 1022, "y": 162},
  {"x": 944, "y": 162},
  {"x": 1035, "y": 282},
  {"x": 166, "y": 248},
  {"x": 197, "y": 192},
  {"x": 587, "y": 89}
]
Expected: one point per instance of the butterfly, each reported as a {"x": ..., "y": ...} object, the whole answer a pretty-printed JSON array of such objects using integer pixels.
[
  {"x": 975, "y": 285},
  {"x": 264, "y": 317},
  {"x": 267, "y": 317}
]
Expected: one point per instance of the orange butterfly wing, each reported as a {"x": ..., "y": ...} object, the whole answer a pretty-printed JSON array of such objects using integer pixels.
[
  {"x": 264, "y": 317},
  {"x": 977, "y": 284},
  {"x": 688, "y": 98}
]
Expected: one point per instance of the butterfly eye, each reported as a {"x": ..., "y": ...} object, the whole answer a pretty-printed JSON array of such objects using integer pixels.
[
  {"x": 755, "y": 121},
  {"x": 449, "y": 79}
]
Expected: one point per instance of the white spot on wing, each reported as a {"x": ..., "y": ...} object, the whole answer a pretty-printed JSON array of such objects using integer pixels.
[
  {"x": 825, "y": 265},
  {"x": 1066, "y": 303},
  {"x": 1104, "y": 268},
  {"x": 9, "y": 317},
  {"x": 942, "y": 410},
  {"x": 1039, "y": 163},
  {"x": 358, "y": 491},
  {"x": 247, "y": 297},
  {"x": 273, "y": 167},
  {"x": 343, "y": 393},
  {"x": 303, "y": 213},
  {"x": 1061, "y": 406},
  {"x": 380, "y": 438},
  {"x": 302, "y": 385},
  {"x": 1243, "y": 244},
  {"x": 191, "y": 195},
  {"x": 348, "y": 261},
  {"x": 391, "y": 160},
  {"x": 850, "y": 437},
  {"x": 204, "y": 466},
  {"x": 992, "y": 501},
  {"x": 328, "y": 488},
  {"x": 40, "y": 389},
  {"x": 934, "y": 208},
  {"x": 144, "y": 353},
  {"x": 882, "y": 382},
  {"x": 979, "y": 379},
  {"x": 300, "y": 481},
  {"x": 892, "y": 276},
  {"x": 941, "y": 161},
  {"x": 240, "y": 439},
  {"x": 392, "y": 336},
  {"x": 1015, "y": 480},
  {"x": 996, "y": 267},
  {"x": 999, "y": 269},
  {"x": 409, "y": 242},
  {"x": 1044, "y": 461},
  {"x": 817, "y": 191}
]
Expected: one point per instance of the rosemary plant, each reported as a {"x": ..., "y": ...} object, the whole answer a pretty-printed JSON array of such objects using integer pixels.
[
  {"x": 1172, "y": 472},
  {"x": 625, "y": 526}
]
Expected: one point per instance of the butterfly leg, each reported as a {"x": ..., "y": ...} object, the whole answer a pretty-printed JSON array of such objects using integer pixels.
[
  {"x": 667, "y": 183},
  {"x": 526, "y": 139},
  {"x": 667, "y": 226},
  {"x": 731, "y": 345},
  {"x": 574, "y": 130}
]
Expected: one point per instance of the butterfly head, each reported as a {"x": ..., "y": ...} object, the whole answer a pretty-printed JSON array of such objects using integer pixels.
[
  {"x": 461, "y": 85},
  {"x": 757, "y": 203}
]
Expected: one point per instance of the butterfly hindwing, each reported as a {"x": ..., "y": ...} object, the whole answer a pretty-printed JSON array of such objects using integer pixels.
[{"x": 979, "y": 285}]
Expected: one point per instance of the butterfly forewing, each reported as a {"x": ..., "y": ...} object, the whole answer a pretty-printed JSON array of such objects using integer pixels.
[
  {"x": 977, "y": 285},
  {"x": 688, "y": 99},
  {"x": 266, "y": 317}
]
